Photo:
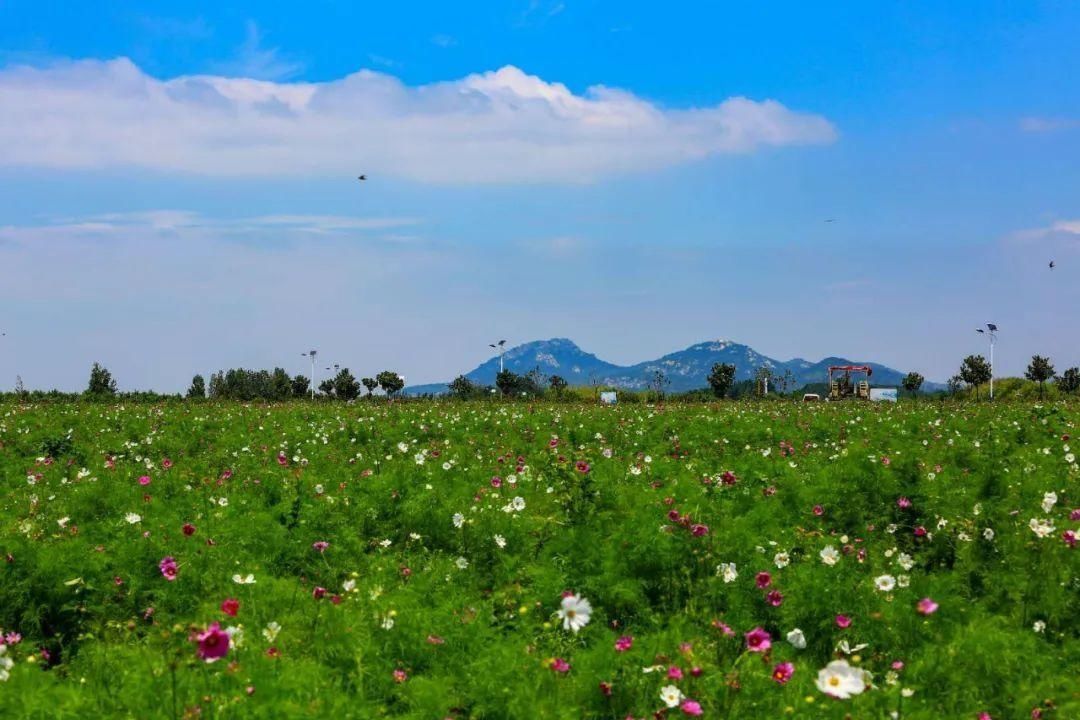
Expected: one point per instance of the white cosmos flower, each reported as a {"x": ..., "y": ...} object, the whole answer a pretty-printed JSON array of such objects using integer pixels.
[
  {"x": 988, "y": 534},
  {"x": 797, "y": 639},
  {"x": 1039, "y": 626},
  {"x": 461, "y": 563},
  {"x": 1049, "y": 501},
  {"x": 1042, "y": 528},
  {"x": 458, "y": 520},
  {"x": 518, "y": 503},
  {"x": 271, "y": 631},
  {"x": 349, "y": 585},
  {"x": 727, "y": 571},
  {"x": 841, "y": 680},
  {"x": 829, "y": 555},
  {"x": 248, "y": 579},
  {"x": 905, "y": 561},
  {"x": 671, "y": 695},
  {"x": 782, "y": 559},
  {"x": 885, "y": 583},
  {"x": 575, "y": 612},
  {"x": 500, "y": 541},
  {"x": 133, "y": 518}
]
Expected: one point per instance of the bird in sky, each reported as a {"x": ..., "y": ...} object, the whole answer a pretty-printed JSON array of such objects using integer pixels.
[
  {"x": 831, "y": 220},
  {"x": 361, "y": 178},
  {"x": 1051, "y": 264}
]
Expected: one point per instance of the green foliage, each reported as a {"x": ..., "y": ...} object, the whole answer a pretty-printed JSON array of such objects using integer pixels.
[
  {"x": 1069, "y": 382},
  {"x": 609, "y": 501},
  {"x": 1039, "y": 370},
  {"x": 301, "y": 386},
  {"x": 390, "y": 382},
  {"x": 247, "y": 385},
  {"x": 345, "y": 385},
  {"x": 198, "y": 388},
  {"x": 101, "y": 385},
  {"x": 370, "y": 384},
  {"x": 975, "y": 371},
  {"x": 912, "y": 382},
  {"x": 721, "y": 379}
]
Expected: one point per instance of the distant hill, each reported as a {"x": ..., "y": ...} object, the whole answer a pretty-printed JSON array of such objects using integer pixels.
[{"x": 685, "y": 369}]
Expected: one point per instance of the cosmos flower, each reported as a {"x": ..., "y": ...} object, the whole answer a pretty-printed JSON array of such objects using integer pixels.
[
  {"x": 671, "y": 696},
  {"x": 758, "y": 640},
  {"x": 926, "y": 606},
  {"x": 885, "y": 583},
  {"x": 168, "y": 568},
  {"x": 841, "y": 680},
  {"x": 829, "y": 555},
  {"x": 213, "y": 643},
  {"x": 797, "y": 639},
  {"x": 575, "y": 612},
  {"x": 783, "y": 672},
  {"x": 690, "y": 707}
]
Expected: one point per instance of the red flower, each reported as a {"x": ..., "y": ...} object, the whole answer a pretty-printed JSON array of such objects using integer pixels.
[{"x": 230, "y": 606}]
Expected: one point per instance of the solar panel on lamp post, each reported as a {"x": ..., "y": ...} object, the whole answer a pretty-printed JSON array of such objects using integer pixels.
[{"x": 991, "y": 330}]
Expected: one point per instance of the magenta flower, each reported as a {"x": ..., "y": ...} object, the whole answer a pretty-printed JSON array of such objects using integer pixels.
[
  {"x": 763, "y": 579},
  {"x": 168, "y": 568},
  {"x": 560, "y": 666},
  {"x": 774, "y": 598},
  {"x": 624, "y": 643},
  {"x": 926, "y": 606},
  {"x": 818, "y": 510},
  {"x": 230, "y": 606},
  {"x": 690, "y": 707},
  {"x": 783, "y": 672},
  {"x": 144, "y": 480},
  {"x": 699, "y": 530},
  {"x": 400, "y": 676},
  {"x": 1069, "y": 537},
  {"x": 758, "y": 640},
  {"x": 166, "y": 463},
  {"x": 674, "y": 672},
  {"x": 213, "y": 643},
  {"x": 496, "y": 482},
  {"x": 320, "y": 545},
  {"x": 843, "y": 621},
  {"x": 903, "y": 503},
  {"x": 582, "y": 466}
]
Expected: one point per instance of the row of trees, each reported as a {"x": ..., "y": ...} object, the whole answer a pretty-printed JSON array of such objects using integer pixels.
[
  {"x": 975, "y": 371},
  {"x": 244, "y": 384}
]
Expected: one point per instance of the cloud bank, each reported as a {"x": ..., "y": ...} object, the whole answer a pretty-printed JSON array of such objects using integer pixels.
[{"x": 494, "y": 127}]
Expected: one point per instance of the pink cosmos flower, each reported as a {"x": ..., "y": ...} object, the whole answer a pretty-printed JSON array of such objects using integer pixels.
[
  {"x": 774, "y": 598},
  {"x": 166, "y": 463},
  {"x": 320, "y": 545},
  {"x": 758, "y": 640},
  {"x": 818, "y": 510},
  {"x": 699, "y": 530},
  {"x": 783, "y": 672},
  {"x": 230, "y": 606},
  {"x": 723, "y": 628},
  {"x": 213, "y": 643},
  {"x": 843, "y": 621},
  {"x": 400, "y": 676},
  {"x": 728, "y": 478},
  {"x": 560, "y": 666},
  {"x": 926, "y": 606},
  {"x": 763, "y": 579},
  {"x": 188, "y": 529},
  {"x": 605, "y": 689},
  {"x": 920, "y": 531},
  {"x": 144, "y": 480},
  {"x": 12, "y": 638},
  {"x": 282, "y": 460},
  {"x": 1069, "y": 536},
  {"x": 690, "y": 707},
  {"x": 674, "y": 672},
  {"x": 984, "y": 716},
  {"x": 624, "y": 643},
  {"x": 496, "y": 482},
  {"x": 168, "y": 568},
  {"x": 319, "y": 592},
  {"x": 582, "y": 466},
  {"x": 903, "y": 503}
]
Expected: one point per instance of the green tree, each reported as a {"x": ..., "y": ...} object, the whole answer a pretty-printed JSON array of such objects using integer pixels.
[
  {"x": 1039, "y": 370},
  {"x": 326, "y": 387},
  {"x": 462, "y": 388},
  {"x": 370, "y": 384},
  {"x": 558, "y": 385},
  {"x": 658, "y": 383},
  {"x": 975, "y": 371},
  {"x": 281, "y": 384},
  {"x": 101, "y": 383},
  {"x": 721, "y": 379},
  {"x": 912, "y": 382},
  {"x": 390, "y": 382},
  {"x": 1069, "y": 382},
  {"x": 198, "y": 387},
  {"x": 345, "y": 385},
  {"x": 954, "y": 383},
  {"x": 300, "y": 386},
  {"x": 507, "y": 381}
]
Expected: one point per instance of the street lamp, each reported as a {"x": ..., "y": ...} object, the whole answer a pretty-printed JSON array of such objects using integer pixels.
[
  {"x": 311, "y": 354},
  {"x": 500, "y": 347},
  {"x": 991, "y": 330}
]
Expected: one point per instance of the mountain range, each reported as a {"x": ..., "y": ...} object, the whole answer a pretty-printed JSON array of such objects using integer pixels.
[{"x": 685, "y": 369}]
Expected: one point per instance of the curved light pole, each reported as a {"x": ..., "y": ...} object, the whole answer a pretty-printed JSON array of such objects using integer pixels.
[
  {"x": 311, "y": 354},
  {"x": 991, "y": 330},
  {"x": 501, "y": 347}
]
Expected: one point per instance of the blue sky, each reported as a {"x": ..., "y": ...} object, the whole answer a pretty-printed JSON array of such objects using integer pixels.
[{"x": 178, "y": 193}]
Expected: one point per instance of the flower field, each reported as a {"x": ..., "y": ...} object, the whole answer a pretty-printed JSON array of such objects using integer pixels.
[{"x": 488, "y": 560}]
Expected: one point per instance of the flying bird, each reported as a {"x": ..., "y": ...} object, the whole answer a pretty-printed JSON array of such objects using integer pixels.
[
  {"x": 1051, "y": 264},
  {"x": 361, "y": 178},
  {"x": 831, "y": 220}
]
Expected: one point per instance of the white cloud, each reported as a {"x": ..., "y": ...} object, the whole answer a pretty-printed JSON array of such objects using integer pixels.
[
  {"x": 1047, "y": 124},
  {"x": 502, "y": 126},
  {"x": 252, "y": 60}
]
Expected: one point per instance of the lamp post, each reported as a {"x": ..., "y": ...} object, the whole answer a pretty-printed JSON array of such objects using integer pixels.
[
  {"x": 500, "y": 346},
  {"x": 311, "y": 354},
  {"x": 991, "y": 330}
]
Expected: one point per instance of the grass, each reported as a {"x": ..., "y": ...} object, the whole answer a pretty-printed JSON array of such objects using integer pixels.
[{"x": 627, "y": 507}]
